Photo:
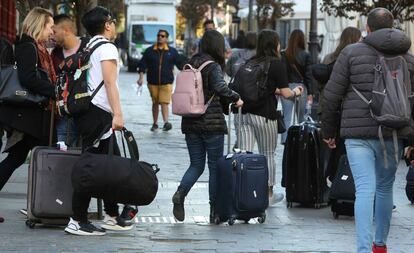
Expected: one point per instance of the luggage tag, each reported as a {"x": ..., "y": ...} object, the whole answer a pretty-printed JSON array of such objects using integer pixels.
[{"x": 77, "y": 74}]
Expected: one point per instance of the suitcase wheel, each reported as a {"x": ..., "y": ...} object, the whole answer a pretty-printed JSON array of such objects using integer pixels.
[
  {"x": 30, "y": 224},
  {"x": 217, "y": 220},
  {"x": 262, "y": 219},
  {"x": 317, "y": 206},
  {"x": 289, "y": 204},
  {"x": 231, "y": 221},
  {"x": 335, "y": 215},
  {"x": 246, "y": 221}
]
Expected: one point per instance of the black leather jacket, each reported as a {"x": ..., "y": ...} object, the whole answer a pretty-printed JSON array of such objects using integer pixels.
[
  {"x": 212, "y": 122},
  {"x": 303, "y": 64}
]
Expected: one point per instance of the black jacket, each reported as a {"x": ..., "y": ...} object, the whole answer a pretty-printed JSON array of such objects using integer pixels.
[
  {"x": 303, "y": 65},
  {"x": 159, "y": 64},
  {"x": 33, "y": 121},
  {"x": 355, "y": 66},
  {"x": 212, "y": 122},
  {"x": 6, "y": 52}
]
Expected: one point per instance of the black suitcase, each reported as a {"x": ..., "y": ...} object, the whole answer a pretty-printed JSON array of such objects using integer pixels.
[
  {"x": 342, "y": 194},
  {"x": 49, "y": 197},
  {"x": 242, "y": 186},
  {"x": 303, "y": 166}
]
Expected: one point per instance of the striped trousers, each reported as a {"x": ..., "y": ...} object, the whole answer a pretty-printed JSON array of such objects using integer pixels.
[{"x": 254, "y": 129}]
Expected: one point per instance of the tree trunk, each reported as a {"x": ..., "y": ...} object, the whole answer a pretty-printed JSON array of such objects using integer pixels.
[
  {"x": 81, "y": 8},
  {"x": 189, "y": 38}
]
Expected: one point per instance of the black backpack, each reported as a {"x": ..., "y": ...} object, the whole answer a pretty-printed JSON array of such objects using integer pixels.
[
  {"x": 250, "y": 80},
  {"x": 72, "y": 91}
]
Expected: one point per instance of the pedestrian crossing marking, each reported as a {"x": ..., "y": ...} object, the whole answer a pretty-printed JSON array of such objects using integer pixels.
[{"x": 172, "y": 220}]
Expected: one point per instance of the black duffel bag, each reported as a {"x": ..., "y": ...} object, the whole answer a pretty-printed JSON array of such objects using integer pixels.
[{"x": 114, "y": 178}]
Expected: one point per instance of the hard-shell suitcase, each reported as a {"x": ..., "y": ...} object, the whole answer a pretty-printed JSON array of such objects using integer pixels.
[
  {"x": 342, "y": 194},
  {"x": 49, "y": 197},
  {"x": 303, "y": 165},
  {"x": 242, "y": 186}
]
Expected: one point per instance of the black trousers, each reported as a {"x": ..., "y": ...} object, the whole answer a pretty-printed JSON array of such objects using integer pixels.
[
  {"x": 90, "y": 125},
  {"x": 16, "y": 157}
]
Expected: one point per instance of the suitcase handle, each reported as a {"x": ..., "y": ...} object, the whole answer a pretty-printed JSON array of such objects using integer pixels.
[{"x": 229, "y": 128}]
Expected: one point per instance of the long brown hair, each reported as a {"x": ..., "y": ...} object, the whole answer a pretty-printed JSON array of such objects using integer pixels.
[
  {"x": 295, "y": 44},
  {"x": 212, "y": 43},
  {"x": 349, "y": 35}
]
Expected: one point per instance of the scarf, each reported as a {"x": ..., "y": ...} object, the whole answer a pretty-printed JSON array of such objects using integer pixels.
[{"x": 46, "y": 61}]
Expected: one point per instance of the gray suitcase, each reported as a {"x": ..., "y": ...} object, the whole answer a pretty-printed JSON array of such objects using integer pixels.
[{"x": 49, "y": 197}]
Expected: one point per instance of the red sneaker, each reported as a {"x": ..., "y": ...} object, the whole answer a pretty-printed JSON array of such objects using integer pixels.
[{"x": 379, "y": 249}]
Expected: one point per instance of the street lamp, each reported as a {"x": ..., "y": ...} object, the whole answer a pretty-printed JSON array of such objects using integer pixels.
[
  {"x": 249, "y": 17},
  {"x": 313, "y": 34},
  {"x": 212, "y": 9}
]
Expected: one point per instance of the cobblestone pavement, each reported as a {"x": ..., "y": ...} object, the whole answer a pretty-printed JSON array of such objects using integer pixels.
[{"x": 285, "y": 230}]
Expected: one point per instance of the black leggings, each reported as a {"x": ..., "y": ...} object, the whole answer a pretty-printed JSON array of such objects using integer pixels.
[{"x": 16, "y": 157}]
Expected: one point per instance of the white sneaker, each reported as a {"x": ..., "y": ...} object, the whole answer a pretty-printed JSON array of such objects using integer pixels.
[
  {"x": 328, "y": 182},
  {"x": 23, "y": 211},
  {"x": 115, "y": 224},
  {"x": 88, "y": 228},
  {"x": 276, "y": 198}
]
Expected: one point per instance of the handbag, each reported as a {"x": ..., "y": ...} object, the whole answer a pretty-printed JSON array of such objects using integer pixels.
[
  {"x": 114, "y": 178},
  {"x": 12, "y": 92},
  {"x": 281, "y": 127}
]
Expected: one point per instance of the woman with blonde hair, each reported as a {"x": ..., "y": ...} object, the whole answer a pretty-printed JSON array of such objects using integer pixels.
[{"x": 28, "y": 126}]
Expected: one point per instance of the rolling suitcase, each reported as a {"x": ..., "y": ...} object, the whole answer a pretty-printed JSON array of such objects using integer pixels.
[
  {"x": 342, "y": 195},
  {"x": 242, "y": 185},
  {"x": 303, "y": 165},
  {"x": 49, "y": 197}
]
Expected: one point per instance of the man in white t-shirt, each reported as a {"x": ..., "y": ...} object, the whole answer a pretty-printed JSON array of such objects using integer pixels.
[{"x": 104, "y": 114}]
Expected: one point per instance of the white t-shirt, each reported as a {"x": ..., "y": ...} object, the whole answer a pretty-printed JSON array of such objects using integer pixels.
[{"x": 104, "y": 52}]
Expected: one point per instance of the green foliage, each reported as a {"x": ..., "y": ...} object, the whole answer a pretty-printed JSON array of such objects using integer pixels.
[
  {"x": 401, "y": 9},
  {"x": 193, "y": 10},
  {"x": 269, "y": 11}
]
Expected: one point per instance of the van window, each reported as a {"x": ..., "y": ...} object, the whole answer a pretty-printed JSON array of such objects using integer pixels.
[{"x": 147, "y": 33}]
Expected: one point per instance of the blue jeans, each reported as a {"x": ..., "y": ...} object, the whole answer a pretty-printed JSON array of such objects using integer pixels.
[
  {"x": 287, "y": 106},
  {"x": 66, "y": 131},
  {"x": 198, "y": 147},
  {"x": 374, "y": 189}
]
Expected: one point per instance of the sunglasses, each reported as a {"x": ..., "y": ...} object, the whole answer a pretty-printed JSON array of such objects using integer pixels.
[
  {"x": 112, "y": 21},
  {"x": 161, "y": 36}
]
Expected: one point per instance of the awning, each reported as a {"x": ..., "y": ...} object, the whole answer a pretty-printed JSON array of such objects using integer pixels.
[{"x": 8, "y": 20}]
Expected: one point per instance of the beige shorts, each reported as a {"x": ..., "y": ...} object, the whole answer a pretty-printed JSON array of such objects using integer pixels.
[{"x": 160, "y": 93}]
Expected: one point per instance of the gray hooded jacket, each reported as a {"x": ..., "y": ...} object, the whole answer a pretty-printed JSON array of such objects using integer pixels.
[{"x": 355, "y": 66}]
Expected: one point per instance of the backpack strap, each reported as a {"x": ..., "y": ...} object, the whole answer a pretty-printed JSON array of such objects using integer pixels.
[
  {"x": 204, "y": 65},
  {"x": 91, "y": 50}
]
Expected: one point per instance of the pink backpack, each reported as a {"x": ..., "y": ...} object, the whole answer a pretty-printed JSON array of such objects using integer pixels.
[{"x": 188, "y": 97}]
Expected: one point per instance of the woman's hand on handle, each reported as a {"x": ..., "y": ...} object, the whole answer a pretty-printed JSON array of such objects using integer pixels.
[{"x": 239, "y": 103}]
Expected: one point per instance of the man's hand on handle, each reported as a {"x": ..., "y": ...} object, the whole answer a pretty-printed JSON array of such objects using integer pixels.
[
  {"x": 117, "y": 122},
  {"x": 330, "y": 142}
]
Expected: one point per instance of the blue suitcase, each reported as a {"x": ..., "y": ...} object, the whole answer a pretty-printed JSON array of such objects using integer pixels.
[{"x": 242, "y": 186}]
